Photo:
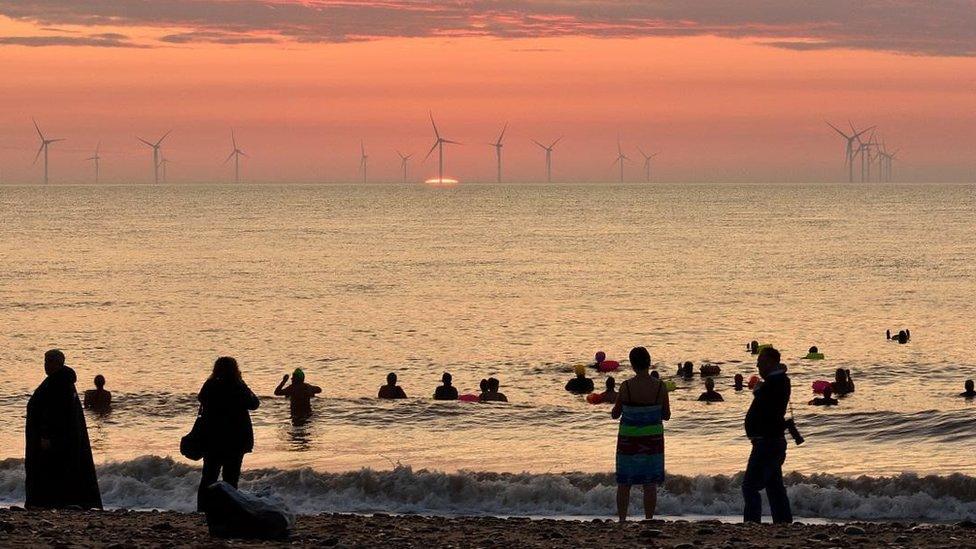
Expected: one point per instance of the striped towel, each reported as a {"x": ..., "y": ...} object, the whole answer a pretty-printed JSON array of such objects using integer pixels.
[{"x": 640, "y": 446}]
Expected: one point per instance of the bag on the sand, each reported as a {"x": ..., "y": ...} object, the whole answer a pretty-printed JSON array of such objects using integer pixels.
[
  {"x": 193, "y": 444},
  {"x": 234, "y": 514}
]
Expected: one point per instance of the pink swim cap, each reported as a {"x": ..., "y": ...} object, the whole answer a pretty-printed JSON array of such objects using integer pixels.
[{"x": 601, "y": 356}]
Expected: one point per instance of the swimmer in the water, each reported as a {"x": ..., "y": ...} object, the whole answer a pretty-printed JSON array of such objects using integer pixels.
[
  {"x": 686, "y": 370},
  {"x": 738, "y": 384},
  {"x": 391, "y": 391},
  {"x": 969, "y": 392},
  {"x": 447, "y": 391},
  {"x": 299, "y": 394},
  {"x": 610, "y": 395},
  {"x": 887, "y": 334},
  {"x": 902, "y": 337},
  {"x": 98, "y": 399},
  {"x": 598, "y": 359},
  {"x": 493, "y": 395},
  {"x": 580, "y": 385},
  {"x": 483, "y": 386},
  {"x": 710, "y": 394},
  {"x": 843, "y": 384},
  {"x": 754, "y": 347},
  {"x": 826, "y": 400}
]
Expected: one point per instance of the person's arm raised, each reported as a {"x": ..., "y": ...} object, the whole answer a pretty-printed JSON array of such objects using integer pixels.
[{"x": 279, "y": 390}]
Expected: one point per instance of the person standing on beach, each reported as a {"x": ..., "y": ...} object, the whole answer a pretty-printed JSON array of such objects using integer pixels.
[
  {"x": 225, "y": 405},
  {"x": 299, "y": 395},
  {"x": 58, "y": 463},
  {"x": 765, "y": 426},
  {"x": 642, "y": 406}
]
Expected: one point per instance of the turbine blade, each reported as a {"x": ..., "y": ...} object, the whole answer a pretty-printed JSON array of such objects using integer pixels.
[
  {"x": 146, "y": 142},
  {"x": 431, "y": 151},
  {"x": 38, "y": 155},
  {"x": 845, "y": 136},
  {"x": 451, "y": 142},
  {"x": 38, "y": 128},
  {"x": 165, "y": 135},
  {"x": 229, "y": 157},
  {"x": 556, "y": 141},
  {"x": 432, "y": 123},
  {"x": 539, "y": 144},
  {"x": 502, "y": 135},
  {"x": 233, "y": 139}
]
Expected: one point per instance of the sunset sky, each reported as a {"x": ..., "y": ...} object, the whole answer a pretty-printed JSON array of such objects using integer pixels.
[{"x": 726, "y": 91}]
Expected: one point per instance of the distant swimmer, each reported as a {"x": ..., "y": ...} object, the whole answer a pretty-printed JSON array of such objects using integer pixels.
[
  {"x": 842, "y": 384},
  {"x": 902, "y": 337},
  {"x": 446, "y": 391},
  {"x": 299, "y": 394},
  {"x": 969, "y": 392},
  {"x": 98, "y": 399},
  {"x": 710, "y": 394},
  {"x": 738, "y": 383},
  {"x": 814, "y": 354},
  {"x": 580, "y": 385},
  {"x": 391, "y": 391},
  {"x": 602, "y": 364},
  {"x": 610, "y": 395},
  {"x": 753, "y": 347},
  {"x": 686, "y": 370},
  {"x": 492, "y": 394},
  {"x": 826, "y": 400}
]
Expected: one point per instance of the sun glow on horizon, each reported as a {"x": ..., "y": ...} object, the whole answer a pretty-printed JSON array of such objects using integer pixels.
[{"x": 444, "y": 183}]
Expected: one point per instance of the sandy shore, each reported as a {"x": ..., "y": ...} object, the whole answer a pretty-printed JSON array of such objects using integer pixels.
[{"x": 125, "y": 529}]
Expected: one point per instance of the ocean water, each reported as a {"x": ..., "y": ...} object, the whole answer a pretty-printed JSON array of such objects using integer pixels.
[{"x": 147, "y": 285}]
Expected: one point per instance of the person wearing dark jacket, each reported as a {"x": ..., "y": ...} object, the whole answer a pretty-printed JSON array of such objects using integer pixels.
[
  {"x": 765, "y": 426},
  {"x": 225, "y": 404},
  {"x": 58, "y": 463}
]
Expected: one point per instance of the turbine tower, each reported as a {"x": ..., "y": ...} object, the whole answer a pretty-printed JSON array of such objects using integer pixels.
[
  {"x": 45, "y": 143},
  {"x": 156, "y": 156},
  {"x": 163, "y": 162},
  {"x": 621, "y": 158},
  {"x": 647, "y": 163},
  {"x": 362, "y": 158},
  {"x": 438, "y": 144},
  {"x": 548, "y": 157},
  {"x": 498, "y": 151},
  {"x": 236, "y": 154},
  {"x": 95, "y": 158},
  {"x": 850, "y": 151},
  {"x": 403, "y": 163}
]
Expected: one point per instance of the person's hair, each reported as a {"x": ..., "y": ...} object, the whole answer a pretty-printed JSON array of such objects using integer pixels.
[
  {"x": 99, "y": 381},
  {"x": 391, "y": 378},
  {"x": 655, "y": 374},
  {"x": 841, "y": 374},
  {"x": 447, "y": 378},
  {"x": 709, "y": 383},
  {"x": 493, "y": 384},
  {"x": 55, "y": 357},
  {"x": 969, "y": 384},
  {"x": 813, "y": 350},
  {"x": 640, "y": 359},
  {"x": 483, "y": 385},
  {"x": 611, "y": 383},
  {"x": 770, "y": 352},
  {"x": 688, "y": 365},
  {"x": 738, "y": 377},
  {"x": 226, "y": 367}
]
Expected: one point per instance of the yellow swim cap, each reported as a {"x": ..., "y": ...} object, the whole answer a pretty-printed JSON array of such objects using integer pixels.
[{"x": 580, "y": 369}]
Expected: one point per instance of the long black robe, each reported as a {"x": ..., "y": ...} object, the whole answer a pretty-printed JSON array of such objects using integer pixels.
[{"x": 64, "y": 473}]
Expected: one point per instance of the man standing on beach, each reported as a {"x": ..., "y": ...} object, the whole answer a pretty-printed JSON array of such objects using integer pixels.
[
  {"x": 58, "y": 458},
  {"x": 766, "y": 427}
]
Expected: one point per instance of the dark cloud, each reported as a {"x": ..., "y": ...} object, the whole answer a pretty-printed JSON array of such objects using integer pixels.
[
  {"x": 108, "y": 40},
  {"x": 940, "y": 28},
  {"x": 216, "y": 37}
]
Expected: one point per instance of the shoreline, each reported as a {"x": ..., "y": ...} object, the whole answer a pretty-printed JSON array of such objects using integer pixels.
[{"x": 122, "y": 529}]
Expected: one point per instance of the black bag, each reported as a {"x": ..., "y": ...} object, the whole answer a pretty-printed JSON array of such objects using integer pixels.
[
  {"x": 234, "y": 514},
  {"x": 193, "y": 444}
]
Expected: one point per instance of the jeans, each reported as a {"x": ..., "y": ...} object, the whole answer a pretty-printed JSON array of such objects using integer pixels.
[
  {"x": 765, "y": 471},
  {"x": 213, "y": 466}
]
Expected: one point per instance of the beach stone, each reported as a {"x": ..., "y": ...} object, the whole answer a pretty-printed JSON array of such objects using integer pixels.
[
  {"x": 968, "y": 524},
  {"x": 705, "y": 531},
  {"x": 684, "y": 546},
  {"x": 902, "y": 539},
  {"x": 854, "y": 531},
  {"x": 6, "y": 526},
  {"x": 163, "y": 527},
  {"x": 651, "y": 533}
]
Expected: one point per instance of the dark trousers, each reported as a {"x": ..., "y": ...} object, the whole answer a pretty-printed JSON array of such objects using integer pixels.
[
  {"x": 229, "y": 467},
  {"x": 765, "y": 471}
]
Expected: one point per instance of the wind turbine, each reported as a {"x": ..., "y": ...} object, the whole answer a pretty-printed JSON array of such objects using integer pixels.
[
  {"x": 849, "y": 150},
  {"x": 95, "y": 159},
  {"x": 155, "y": 148},
  {"x": 647, "y": 163},
  {"x": 621, "y": 157},
  {"x": 163, "y": 162},
  {"x": 45, "y": 143},
  {"x": 362, "y": 158},
  {"x": 236, "y": 154},
  {"x": 498, "y": 150},
  {"x": 438, "y": 144},
  {"x": 403, "y": 163},
  {"x": 548, "y": 157}
]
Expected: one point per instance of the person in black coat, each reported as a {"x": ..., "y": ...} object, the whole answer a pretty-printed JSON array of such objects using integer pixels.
[
  {"x": 60, "y": 471},
  {"x": 225, "y": 404}
]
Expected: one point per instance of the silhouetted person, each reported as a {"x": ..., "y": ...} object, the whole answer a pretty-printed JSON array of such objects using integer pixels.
[
  {"x": 766, "y": 426},
  {"x": 738, "y": 383},
  {"x": 969, "y": 392},
  {"x": 483, "y": 386},
  {"x": 391, "y": 390},
  {"x": 98, "y": 399},
  {"x": 710, "y": 394},
  {"x": 580, "y": 385},
  {"x": 887, "y": 334},
  {"x": 754, "y": 347},
  {"x": 225, "y": 404},
  {"x": 842, "y": 384},
  {"x": 299, "y": 394},
  {"x": 686, "y": 370},
  {"x": 58, "y": 460},
  {"x": 902, "y": 337},
  {"x": 446, "y": 391},
  {"x": 642, "y": 407},
  {"x": 825, "y": 400},
  {"x": 492, "y": 394},
  {"x": 610, "y": 395}
]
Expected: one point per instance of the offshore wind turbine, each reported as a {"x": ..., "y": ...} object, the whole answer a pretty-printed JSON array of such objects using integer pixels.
[
  {"x": 362, "y": 158},
  {"x": 498, "y": 151},
  {"x": 403, "y": 163},
  {"x": 156, "y": 156},
  {"x": 163, "y": 162},
  {"x": 45, "y": 143},
  {"x": 95, "y": 158},
  {"x": 850, "y": 151},
  {"x": 236, "y": 154},
  {"x": 621, "y": 157},
  {"x": 647, "y": 163},
  {"x": 438, "y": 144},
  {"x": 548, "y": 157}
]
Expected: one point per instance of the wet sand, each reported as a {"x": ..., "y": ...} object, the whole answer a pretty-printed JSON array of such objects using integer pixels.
[{"x": 129, "y": 529}]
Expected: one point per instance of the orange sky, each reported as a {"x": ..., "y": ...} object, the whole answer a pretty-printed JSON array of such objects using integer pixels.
[{"x": 718, "y": 108}]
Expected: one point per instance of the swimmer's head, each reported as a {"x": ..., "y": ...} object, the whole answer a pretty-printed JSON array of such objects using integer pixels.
[
  {"x": 655, "y": 375},
  {"x": 226, "y": 368},
  {"x": 813, "y": 350},
  {"x": 754, "y": 346},
  {"x": 600, "y": 357},
  {"x": 768, "y": 360},
  {"x": 709, "y": 383},
  {"x": 969, "y": 385},
  {"x": 53, "y": 361},
  {"x": 840, "y": 374},
  {"x": 738, "y": 380},
  {"x": 640, "y": 359},
  {"x": 99, "y": 381},
  {"x": 580, "y": 370},
  {"x": 688, "y": 365},
  {"x": 391, "y": 378},
  {"x": 611, "y": 383},
  {"x": 298, "y": 376},
  {"x": 493, "y": 384},
  {"x": 483, "y": 385},
  {"x": 447, "y": 378}
]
